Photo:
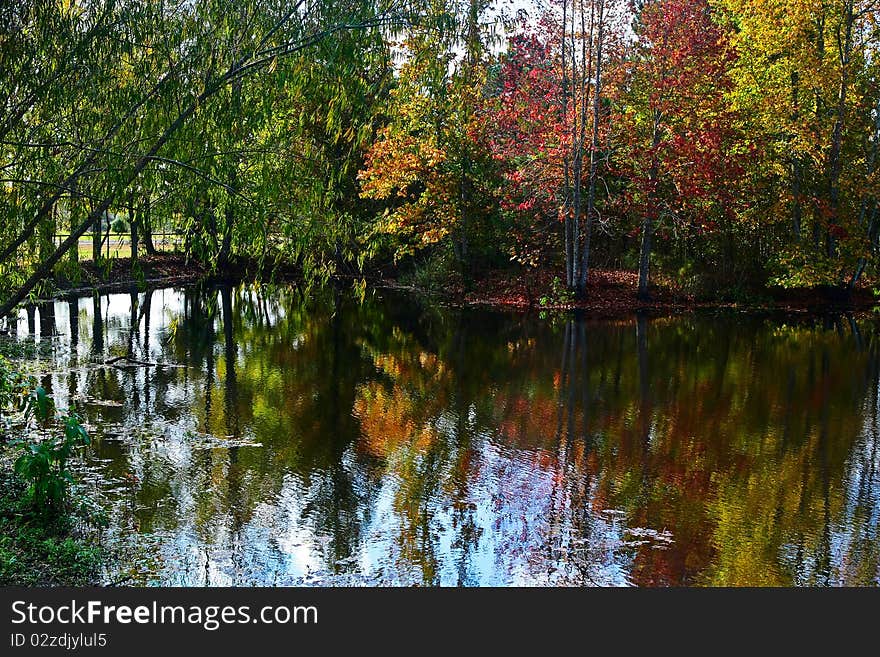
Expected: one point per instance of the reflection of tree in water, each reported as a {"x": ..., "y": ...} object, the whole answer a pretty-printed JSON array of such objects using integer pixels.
[
  {"x": 285, "y": 380},
  {"x": 694, "y": 434},
  {"x": 462, "y": 447},
  {"x": 330, "y": 366}
]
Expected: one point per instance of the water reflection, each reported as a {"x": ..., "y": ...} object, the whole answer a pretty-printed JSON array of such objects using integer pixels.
[{"x": 251, "y": 436}]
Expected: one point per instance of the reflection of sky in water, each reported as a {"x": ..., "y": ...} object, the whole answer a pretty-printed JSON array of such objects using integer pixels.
[{"x": 336, "y": 443}]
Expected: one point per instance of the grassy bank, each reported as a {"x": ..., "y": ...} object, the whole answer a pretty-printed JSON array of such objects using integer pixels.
[{"x": 39, "y": 549}]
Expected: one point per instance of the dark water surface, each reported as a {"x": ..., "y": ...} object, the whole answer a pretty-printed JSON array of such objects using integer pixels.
[{"x": 326, "y": 441}]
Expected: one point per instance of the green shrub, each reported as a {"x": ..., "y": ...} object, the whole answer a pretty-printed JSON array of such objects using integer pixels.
[
  {"x": 43, "y": 463},
  {"x": 434, "y": 274},
  {"x": 559, "y": 294},
  {"x": 119, "y": 226}
]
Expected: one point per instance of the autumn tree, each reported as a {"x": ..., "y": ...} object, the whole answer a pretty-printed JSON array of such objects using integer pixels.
[
  {"x": 585, "y": 32},
  {"x": 431, "y": 164},
  {"x": 546, "y": 125},
  {"x": 806, "y": 84},
  {"x": 529, "y": 142},
  {"x": 678, "y": 152}
]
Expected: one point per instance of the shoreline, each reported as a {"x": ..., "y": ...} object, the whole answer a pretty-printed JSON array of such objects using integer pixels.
[
  {"x": 610, "y": 293},
  {"x": 613, "y": 294}
]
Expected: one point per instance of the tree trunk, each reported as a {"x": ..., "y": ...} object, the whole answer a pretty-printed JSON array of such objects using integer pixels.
[
  {"x": 796, "y": 166},
  {"x": 463, "y": 215},
  {"x": 645, "y": 255},
  {"x": 577, "y": 81},
  {"x": 594, "y": 153},
  {"x": 648, "y": 220},
  {"x": 844, "y": 46},
  {"x": 566, "y": 215},
  {"x": 96, "y": 237},
  {"x": 146, "y": 226},
  {"x": 47, "y": 234},
  {"x": 229, "y": 215},
  {"x": 577, "y": 171},
  {"x": 107, "y": 236},
  {"x": 569, "y": 249},
  {"x": 226, "y": 240},
  {"x": 872, "y": 238},
  {"x": 133, "y": 220},
  {"x": 474, "y": 52},
  {"x": 72, "y": 214}
]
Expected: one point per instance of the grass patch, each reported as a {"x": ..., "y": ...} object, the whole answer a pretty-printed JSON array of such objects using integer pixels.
[{"x": 43, "y": 550}]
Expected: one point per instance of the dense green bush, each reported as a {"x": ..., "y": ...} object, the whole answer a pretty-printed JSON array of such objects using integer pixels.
[{"x": 119, "y": 226}]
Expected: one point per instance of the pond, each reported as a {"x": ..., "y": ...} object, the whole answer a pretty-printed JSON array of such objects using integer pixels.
[{"x": 254, "y": 435}]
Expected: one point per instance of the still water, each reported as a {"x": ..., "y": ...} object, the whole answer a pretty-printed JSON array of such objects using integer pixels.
[{"x": 262, "y": 437}]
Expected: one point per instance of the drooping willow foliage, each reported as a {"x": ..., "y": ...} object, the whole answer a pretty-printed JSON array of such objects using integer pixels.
[{"x": 237, "y": 126}]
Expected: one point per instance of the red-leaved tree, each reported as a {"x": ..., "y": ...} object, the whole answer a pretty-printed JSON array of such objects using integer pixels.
[{"x": 679, "y": 153}]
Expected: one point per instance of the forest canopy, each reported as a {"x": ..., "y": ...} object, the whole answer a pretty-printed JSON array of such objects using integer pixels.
[{"x": 728, "y": 143}]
